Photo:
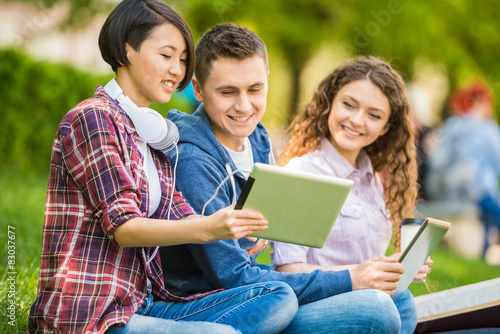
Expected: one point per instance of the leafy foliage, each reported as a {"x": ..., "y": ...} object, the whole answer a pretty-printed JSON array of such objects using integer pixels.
[
  {"x": 462, "y": 36},
  {"x": 35, "y": 97}
]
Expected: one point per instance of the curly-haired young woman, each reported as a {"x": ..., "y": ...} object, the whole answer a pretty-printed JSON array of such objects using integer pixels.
[{"x": 358, "y": 125}]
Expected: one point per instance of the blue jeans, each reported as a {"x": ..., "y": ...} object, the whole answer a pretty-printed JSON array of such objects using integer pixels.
[
  {"x": 361, "y": 311},
  {"x": 257, "y": 308},
  {"x": 490, "y": 216},
  {"x": 408, "y": 312}
]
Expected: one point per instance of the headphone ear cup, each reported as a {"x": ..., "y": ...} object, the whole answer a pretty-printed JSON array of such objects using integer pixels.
[
  {"x": 150, "y": 125},
  {"x": 152, "y": 128},
  {"x": 170, "y": 140}
]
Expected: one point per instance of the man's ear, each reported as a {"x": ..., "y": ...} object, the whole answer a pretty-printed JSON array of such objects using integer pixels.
[{"x": 197, "y": 89}]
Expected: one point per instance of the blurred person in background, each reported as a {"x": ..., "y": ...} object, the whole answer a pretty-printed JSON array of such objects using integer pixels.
[{"x": 464, "y": 158}]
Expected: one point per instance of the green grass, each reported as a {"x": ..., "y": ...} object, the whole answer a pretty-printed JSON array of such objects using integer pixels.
[
  {"x": 451, "y": 270},
  {"x": 22, "y": 203}
]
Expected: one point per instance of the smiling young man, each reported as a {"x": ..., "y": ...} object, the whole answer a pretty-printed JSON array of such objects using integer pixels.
[{"x": 222, "y": 140}]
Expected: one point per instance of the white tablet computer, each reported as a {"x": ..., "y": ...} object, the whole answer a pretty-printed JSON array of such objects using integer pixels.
[
  {"x": 419, "y": 249},
  {"x": 300, "y": 207}
]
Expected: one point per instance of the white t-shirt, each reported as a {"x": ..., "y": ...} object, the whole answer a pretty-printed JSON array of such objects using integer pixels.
[
  {"x": 244, "y": 159},
  {"x": 152, "y": 176},
  {"x": 154, "y": 189}
]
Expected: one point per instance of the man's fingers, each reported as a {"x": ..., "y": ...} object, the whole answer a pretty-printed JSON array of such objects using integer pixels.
[{"x": 257, "y": 248}]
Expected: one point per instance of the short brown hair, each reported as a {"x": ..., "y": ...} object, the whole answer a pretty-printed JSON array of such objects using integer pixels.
[
  {"x": 227, "y": 40},
  {"x": 132, "y": 22}
]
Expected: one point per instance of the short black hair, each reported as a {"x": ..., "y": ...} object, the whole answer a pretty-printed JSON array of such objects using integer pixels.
[
  {"x": 227, "y": 40},
  {"x": 132, "y": 22}
]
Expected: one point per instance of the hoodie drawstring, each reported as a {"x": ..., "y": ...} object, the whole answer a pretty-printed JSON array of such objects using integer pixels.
[{"x": 231, "y": 177}]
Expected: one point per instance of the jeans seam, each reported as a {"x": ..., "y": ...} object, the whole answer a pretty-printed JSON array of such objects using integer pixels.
[
  {"x": 223, "y": 300},
  {"x": 251, "y": 300}
]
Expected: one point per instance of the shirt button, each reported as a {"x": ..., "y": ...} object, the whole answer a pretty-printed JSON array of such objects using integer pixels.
[{"x": 145, "y": 186}]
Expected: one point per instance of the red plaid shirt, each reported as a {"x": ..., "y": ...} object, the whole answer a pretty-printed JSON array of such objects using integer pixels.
[{"x": 87, "y": 282}]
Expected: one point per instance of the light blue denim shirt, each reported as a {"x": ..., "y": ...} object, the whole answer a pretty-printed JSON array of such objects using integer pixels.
[{"x": 464, "y": 163}]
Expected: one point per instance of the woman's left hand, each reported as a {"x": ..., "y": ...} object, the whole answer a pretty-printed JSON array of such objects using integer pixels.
[
  {"x": 422, "y": 274},
  {"x": 258, "y": 247}
]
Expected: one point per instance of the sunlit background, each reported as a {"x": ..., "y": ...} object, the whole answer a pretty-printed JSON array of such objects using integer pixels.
[{"x": 435, "y": 45}]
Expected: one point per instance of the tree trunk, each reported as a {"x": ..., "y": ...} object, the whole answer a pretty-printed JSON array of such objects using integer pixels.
[{"x": 293, "y": 107}]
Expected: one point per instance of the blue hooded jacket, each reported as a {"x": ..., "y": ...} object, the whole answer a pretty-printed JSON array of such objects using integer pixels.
[{"x": 194, "y": 268}]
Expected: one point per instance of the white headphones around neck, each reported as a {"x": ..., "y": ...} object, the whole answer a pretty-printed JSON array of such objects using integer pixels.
[{"x": 152, "y": 128}]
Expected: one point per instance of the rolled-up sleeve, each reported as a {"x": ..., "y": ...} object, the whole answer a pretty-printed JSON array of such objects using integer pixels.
[{"x": 93, "y": 152}]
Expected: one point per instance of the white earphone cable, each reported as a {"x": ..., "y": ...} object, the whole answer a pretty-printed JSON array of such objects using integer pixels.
[
  {"x": 169, "y": 211},
  {"x": 218, "y": 188},
  {"x": 173, "y": 183}
]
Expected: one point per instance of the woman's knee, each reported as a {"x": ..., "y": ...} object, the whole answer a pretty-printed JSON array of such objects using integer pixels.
[
  {"x": 286, "y": 297},
  {"x": 385, "y": 314}
]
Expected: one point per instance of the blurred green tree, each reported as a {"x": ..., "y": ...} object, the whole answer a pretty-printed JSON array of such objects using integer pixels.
[
  {"x": 293, "y": 29},
  {"x": 79, "y": 13},
  {"x": 462, "y": 35}
]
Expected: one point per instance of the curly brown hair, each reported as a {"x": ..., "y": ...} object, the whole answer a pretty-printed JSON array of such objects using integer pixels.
[{"x": 393, "y": 153}]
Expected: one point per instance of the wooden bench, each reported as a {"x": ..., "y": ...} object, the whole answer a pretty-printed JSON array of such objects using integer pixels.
[{"x": 470, "y": 306}]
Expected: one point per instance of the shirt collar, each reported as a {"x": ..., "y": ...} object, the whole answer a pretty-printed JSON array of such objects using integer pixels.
[{"x": 343, "y": 168}]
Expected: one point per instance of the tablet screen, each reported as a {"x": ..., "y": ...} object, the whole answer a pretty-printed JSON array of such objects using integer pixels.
[{"x": 300, "y": 207}]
